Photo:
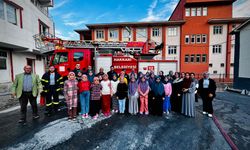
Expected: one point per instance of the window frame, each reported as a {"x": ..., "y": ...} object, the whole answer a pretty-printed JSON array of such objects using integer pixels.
[
  {"x": 217, "y": 49},
  {"x": 202, "y": 58},
  {"x": 99, "y": 34},
  {"x": 204, "y": 36},
  {"x": 4, "y": 57},
  {"x": 192, "y": 58},
  {"x": 172, "y": 50},
  {"x": 187, "y": 12},
  {"x": 8, "y": 14},
  {"x": 193, "y": 39},
  {"x": 198, "y": 56},
  {"x": 198, "y": 36},
  {"x": 77, "y": 59},
  {"x": 156, "y": 32},
  {"x": 3, "y": 10},
  {"x": 217, "y": 29},
  {"x": 199, "y": 9},
  {"x": 172, "y": 31},
  {"x": 113, "y": 35},
  {"x": 186, "y": 59},
  {"x": 204, "y": 11},
  {"x": 187, "y": 37},
  {"x": 141, "y": 33},
  {"x": 193, "y": 12}
]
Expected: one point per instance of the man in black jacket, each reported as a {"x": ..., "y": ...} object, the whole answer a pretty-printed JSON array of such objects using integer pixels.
[
  {"x": 52, "y": 84},
  {"x": 207, "y": 89}
]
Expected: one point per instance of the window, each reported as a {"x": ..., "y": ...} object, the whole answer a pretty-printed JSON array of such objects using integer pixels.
[
  {"x": 141, "y": 32},
  {"x": 204, "y": 38},
  {"x": 192, "y": 58},
  {"x": 204, "y": 12},
  {"x": 216, "y": 49},
  {"x": 125, "y": 33},
  {"x": 198, "y": 38},
  {"x": 1, "y": 10},
  {"x": 113, "y": 34},
  {"x": 172, "y": 50},
  {"x": 204, "y": 58},
  {"x": 232, "y": 64},
  {"x": 78, "y": 56},
  {"x": 99, "y": 34},
  {"x": 60, "y": 58},
  {"x": 198, "y": 58},
  {"x": 186, "y": 58},
  {"x": 210, "y": 65},
  {"x": 44, "y": 29},
  {"x": 193, "y": 39},
  {"x": 11, "y": 14},
  {"x": 215, "y": 72},
  {"x": 3, "y": 60},
  {"x": 186, "y": 39},
  {"x": 172, "y": 31},
  {"x": 187, "y": 12},
  {"x": 155, "y": 32},
  {"x": 193, "y": 11},
  {"x": 217, "y": 29},
  {"x": 222, "y": 64},
  {"x": 199, "y": 11}
]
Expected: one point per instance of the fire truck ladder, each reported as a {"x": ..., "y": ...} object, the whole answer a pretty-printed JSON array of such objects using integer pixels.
[{"x": 48, "y": 42}]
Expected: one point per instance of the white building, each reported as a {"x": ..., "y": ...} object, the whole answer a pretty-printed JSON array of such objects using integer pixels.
[
  {"x": 242, "y": 56},
  {"x": 20, "y": 20}
]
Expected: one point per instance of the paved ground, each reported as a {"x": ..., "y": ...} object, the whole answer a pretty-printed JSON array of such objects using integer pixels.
[{"x": 133, "y": 132}]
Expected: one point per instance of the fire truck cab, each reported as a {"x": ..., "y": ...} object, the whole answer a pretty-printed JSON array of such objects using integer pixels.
[{"x": 65, "y": 60}]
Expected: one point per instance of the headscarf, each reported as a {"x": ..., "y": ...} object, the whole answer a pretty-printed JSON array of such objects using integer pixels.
[
  {"x": 151, "y": 80},
  {"x": 114, "y": 76},
  {"x": 133, "y": 87},
  {"x": 186, "y": 83},
  {"x": 139, "y": 77},
  {"x": 143, "y": 85},
  {"x": 158, "y": 87}
]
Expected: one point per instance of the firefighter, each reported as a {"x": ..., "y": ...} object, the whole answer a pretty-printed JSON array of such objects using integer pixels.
[{"x": 52, "y": 84}]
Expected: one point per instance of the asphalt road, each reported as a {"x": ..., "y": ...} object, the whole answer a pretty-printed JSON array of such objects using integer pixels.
[{"x": 133, "y": 132}]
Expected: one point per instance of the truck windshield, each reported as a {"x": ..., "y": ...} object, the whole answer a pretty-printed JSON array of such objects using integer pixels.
[{"x": 60, "y": 57}]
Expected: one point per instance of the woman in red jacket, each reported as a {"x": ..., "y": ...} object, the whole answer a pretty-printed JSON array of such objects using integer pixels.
[{"x": 84, "y": 87}]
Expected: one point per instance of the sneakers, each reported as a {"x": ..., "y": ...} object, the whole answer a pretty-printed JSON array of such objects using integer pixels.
[
  {"x": 83, "y": 116},
  {"x": 210, "y": 115},
  {"x": 36, "y": 117},
  {"x": 22, "y": 121},
  {"x": 167, "y": 112},
  {"x": 95, "y": 117},
  {"x": 204, "y": 113}
]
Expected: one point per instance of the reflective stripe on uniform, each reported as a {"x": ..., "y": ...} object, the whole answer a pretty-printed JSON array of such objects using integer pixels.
[
  {"x": 45, "y": 91},
  {"x": 61, "y": 82},
  {"x": 59, "y": 79},
  {"x": 49, "y": 104},
  {"x": 45, "y": 80},
  {"x": 55, "y": 103},
  {"x": 58, "y": 89}
]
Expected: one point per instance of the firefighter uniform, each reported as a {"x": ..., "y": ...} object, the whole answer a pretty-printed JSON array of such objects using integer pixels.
[{"x": 52, "y": 86}]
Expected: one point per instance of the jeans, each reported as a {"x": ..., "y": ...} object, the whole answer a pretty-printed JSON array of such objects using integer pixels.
[
  {"x": 122, "y": 105},
  {"x": 84, "y": 100}
]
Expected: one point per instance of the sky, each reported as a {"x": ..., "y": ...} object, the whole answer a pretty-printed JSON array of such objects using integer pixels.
[{"x": 69, "y": 15}]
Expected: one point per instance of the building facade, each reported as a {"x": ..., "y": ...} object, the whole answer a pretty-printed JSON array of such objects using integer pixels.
[
  {"x": 196, "y": 35},
  {"x": 242, "y": 56},
  {"x": 20, "y": 20}
]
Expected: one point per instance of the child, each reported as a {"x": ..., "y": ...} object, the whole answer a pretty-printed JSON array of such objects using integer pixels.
[
  {"x": 91, "y": 76},
  {"x": 168, "y": 92},
  {"x": 70, "y": 94},
  {"x": 84, "y": 87},
  {"x": 133, "y": 96},
  {"x": 114, "y": 84},
  {"x": 95, "y": 101},
  {"x": 106, "y": 95},
  {"x": 143, "y": 89},
  {"x": 122, "y": 92}
]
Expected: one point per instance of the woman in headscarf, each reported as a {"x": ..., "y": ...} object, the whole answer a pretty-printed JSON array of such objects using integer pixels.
[
  {"x": 151, "y": 82},
  {"x": 188, "y": 97},
  {"x": 133, "y": 96},
  {"x": 143, "y": 89},
  {"x": 158, "y": 97},
  {"x": 176, "y": 97},
  {"x": 161, "y": 74},
  {"x": 114, "y": 84}
]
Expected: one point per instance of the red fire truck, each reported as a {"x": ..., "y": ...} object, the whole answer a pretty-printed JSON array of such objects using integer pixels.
[{"x": 122, "y": 55}]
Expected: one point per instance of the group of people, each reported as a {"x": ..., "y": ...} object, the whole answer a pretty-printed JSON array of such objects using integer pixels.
[{"x": 90, "y": 94}]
